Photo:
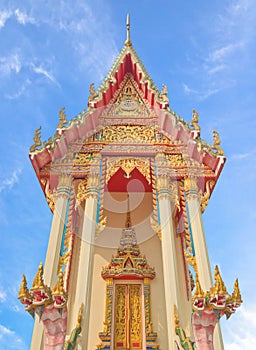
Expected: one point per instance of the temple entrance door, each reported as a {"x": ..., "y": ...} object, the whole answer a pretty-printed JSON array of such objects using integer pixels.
[{"x": 128, "y": 317}]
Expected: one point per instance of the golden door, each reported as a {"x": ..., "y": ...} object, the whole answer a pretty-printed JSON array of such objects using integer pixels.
[{"x": 128, "y": 317}]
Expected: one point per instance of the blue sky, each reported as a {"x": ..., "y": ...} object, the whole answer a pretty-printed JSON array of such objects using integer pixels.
[{"x": 204, "y": 51}]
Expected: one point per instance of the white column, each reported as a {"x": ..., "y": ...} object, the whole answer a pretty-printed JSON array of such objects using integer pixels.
[
  {"x": 202, "y": 259},
  {"x": 85, "y": 267},
  {"x": 53, "y": 250},
  {"x": 171, "y": 284}
]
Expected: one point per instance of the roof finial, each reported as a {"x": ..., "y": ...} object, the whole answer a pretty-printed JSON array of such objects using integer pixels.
[{"x": 128, "y": 40}]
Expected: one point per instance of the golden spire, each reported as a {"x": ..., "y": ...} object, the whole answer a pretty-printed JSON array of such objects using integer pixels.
[
  {"x": 199, "y": 293},
  {"x": 219, "y": 286},
  {"x": 59, "y": 287},
  {"x": 128, "y": 40},
  {"x": 38, "y": 282},
  {"x": 24, "y": 292},
  {"x": 236, "y": 295}
]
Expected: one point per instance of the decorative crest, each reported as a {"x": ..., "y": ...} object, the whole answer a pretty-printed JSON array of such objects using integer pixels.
[
  {"x": 24, "y": 292},
  {"x": 37, "y": 140},
  {"x": 62, "y": 118},
  {"x": 93, "y": 93},
  {"x": 199, "y": 293},
  {"x": 216, "y": 143},
  {"x": 236, "y": 295},
  {"x": 38, "y": 282},
  {"x": 163, "y": 94},
  {"x": 219, "y": 286},
  {"x": 195, "y": 120},
  {"x": 59, "y": 294},
  {"x": 128, "y": 40}
]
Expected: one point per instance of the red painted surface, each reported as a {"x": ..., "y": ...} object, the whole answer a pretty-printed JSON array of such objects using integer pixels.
[{"x": 120, "y": 183}]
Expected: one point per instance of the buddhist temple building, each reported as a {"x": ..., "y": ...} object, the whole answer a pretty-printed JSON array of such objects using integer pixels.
[{"x": 127, "y": 181}]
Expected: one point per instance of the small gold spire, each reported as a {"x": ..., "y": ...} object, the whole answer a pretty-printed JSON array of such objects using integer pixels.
[
  {"x": 38, "y": 282},
  {"x": 236, "y": 295},
  {"x": 128, "y": 40},
  {"x": 59, "y": 287},
  {"x": 37, "y": 140},
  {"x": 24, "y": 292},
  {"x": 199, "y": 293},
  {"x": 219, "y": 286}
]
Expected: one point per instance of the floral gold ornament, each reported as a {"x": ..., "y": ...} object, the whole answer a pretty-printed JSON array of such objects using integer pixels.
[
  {"x": 81, "y": 192},
  {"x": 128, "y": 165},
  {"x": 93, "y": 94},
  {"x": 195, "y": 120},
  {"x": 163, "y": 95},
  {"x": 216, "y": 143},
  {"x": 37, "y": 140},
  {"x": 62, "y": 118},
  {"x": 206, "y": 196}
]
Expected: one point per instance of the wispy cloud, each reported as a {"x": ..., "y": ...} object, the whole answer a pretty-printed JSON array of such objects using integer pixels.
[
  {"x": 19, "y": 92},
  {"x": 245, "y": 322},
  {"x": 45, "y": 73},
  {"x": 20, "y": 16},
  {"x": 8, "y": 182},
  {"x": 11, "y": 63},
  {"x": 242, "y": 156},
  {"x": 222, "y": 58},
  {"x": 202, "y": 95},
  {"x": 23, "y": 17},
  {"x": 4, "y": 16},
  {"x": 90, "y": 35},
  {"x": 9, "y": 339},
  {"x": 2, "y": 296}
]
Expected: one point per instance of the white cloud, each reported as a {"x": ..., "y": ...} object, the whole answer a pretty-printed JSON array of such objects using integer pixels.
[
  {"x": 2, "y": 296},
  {"x": 19, "y": 92},
  {"x": 202, "y": 95},
  {"x": 240, "y": 331},
  {"x": 188, "y": 90},
  {"x": 11, "y": 63},
  {"x": 223, "y": 52},
  {"x": 242, "y": 156},
  {"x": 5, "y": 330},
  {"x": 4, "y": 16},
  {"x": 8, "y": 182},
  {"x": 45, "y": 73},
  {"x": 9, "y": 339},
  {"x": 90, "y": 34},
  {"x": 23, "y": 18}
]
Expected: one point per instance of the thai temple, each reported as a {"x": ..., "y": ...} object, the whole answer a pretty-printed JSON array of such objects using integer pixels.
[{"x": 127, "y": 181}]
